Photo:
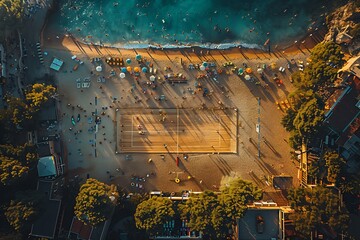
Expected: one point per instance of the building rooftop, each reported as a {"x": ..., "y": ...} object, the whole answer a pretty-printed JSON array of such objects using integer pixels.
[
  {"x": 79, "y": 230},
  {"x": 247, "y": 225},
  {"x": 45, "y": 224},
  {"x": 345, "y": 111},
  {"x": 46, "y": 167}
]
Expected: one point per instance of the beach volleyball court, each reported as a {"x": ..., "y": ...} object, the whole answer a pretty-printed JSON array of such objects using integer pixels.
[{"x": 176, "y": 131}]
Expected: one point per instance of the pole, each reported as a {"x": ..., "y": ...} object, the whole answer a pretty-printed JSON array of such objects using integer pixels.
[
  {"x": 177, "y": 131},
  {"x": 258, "y": 129}
]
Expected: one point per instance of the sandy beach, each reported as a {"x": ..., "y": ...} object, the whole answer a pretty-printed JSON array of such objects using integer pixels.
[{"x": 95, "y": 154}]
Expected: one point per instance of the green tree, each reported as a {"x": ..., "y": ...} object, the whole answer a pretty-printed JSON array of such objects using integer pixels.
[
  {"x": 151, "y": 214},
  {"x": 236, "y": 195},
  {"x": 204, "y": 214},
  {"x": 317, "y": 169},
  {"x": 39, "y": 94},
  {"x": 335, "y": 166},
  {"x": 221, "y": 223},
  {"x": 295, "y": 139},
  {"x": 316, "y": 209},
  {"x": 19, "y": 111},
  {"x": 26, "y": 154},
  {"x": 288, "y": 120},
  {"x": 24, "y": 209},
  {"x": 19, "y": 213},
  {"x": 11, "y": 170},
  {"x": 326, "y": 59},
  {"x": 350, "y": 183},
  {"x": 309, "y": 118},
  {"x": 93, "y": 203},
  {"x": 11, "y": 12}
]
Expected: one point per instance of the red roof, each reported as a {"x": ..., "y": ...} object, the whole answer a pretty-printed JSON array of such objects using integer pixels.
[{"x": 83, "y": 231}]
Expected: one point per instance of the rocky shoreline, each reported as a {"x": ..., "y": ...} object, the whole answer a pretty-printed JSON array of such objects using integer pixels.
[{"x": 344, "y": 28}]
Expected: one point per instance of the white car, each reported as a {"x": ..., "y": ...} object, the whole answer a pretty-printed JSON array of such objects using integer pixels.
[{"x": 281, "y": 69}]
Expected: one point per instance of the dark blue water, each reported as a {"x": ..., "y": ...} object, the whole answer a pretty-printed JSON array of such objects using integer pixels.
[{"x": 184, "y": 22}]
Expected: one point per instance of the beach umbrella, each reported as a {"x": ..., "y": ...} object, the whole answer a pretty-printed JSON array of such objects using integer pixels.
[
  {"x": 128, "y": 61},
  {"x": 122, "y": 75},
  {"x": 152, "y": 78},
  {"x": 98, "y": 68},
  {"x": 128, "y": 69},
  {"x": 248, "y": 70},
  {"x": 205, "y": 64},
  {"x": 202, "y": 67},
  {"x": 273, "y": 66},
  {"x": 260, "y": 70},
  {"x": 136, "y": 69},
  {"x": 123, "y": 69},
  {"x": 241, "y": 71},
  {"x": 144, "y": 69},
  {"x": 247, "y": 77},
  {"x": 138, "y": 57}
]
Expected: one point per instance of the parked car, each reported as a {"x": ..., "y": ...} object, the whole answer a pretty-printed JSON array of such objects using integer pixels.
[{"x": 260, "y": 224}]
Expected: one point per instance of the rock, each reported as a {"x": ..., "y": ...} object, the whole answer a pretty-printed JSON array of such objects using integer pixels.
[{"x": 340, "y": 23}]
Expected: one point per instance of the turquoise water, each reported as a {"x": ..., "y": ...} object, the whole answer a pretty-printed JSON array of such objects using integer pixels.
[{"x": 184, "y": 22}]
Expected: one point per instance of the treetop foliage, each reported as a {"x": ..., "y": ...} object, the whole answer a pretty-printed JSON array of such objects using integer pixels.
[
  {"x": 23, "y": 209},
  {"x": 309, "y": 118},
  {"x": 11, "y": 12},
  {"x": 39, "y": 94},
  {"x": 317, "y": 208},
  {"x": 304, "y": 120},
  {"x": 11, "y": 170},
  {"x": 151, "y": 214},
  {"x": 212, "y": 214},
  {"x": 93, "y": 204}
]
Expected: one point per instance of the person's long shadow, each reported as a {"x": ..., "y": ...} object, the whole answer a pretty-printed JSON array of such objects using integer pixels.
[{"x": 272, "y": 148}]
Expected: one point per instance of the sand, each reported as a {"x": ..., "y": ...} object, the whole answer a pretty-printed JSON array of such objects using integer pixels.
[{"x": 96, "y": 153}]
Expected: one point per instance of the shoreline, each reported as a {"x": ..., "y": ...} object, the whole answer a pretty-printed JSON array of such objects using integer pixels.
[
  {"x": 205, "y": 46},
  {"x": 284, "y": 45},
  {"x": 76, "y": 46}
]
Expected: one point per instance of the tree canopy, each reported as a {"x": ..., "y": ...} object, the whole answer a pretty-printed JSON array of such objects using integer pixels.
[
  {"x": 22, "y": 113},
  {"x": 205, "y": 214},
  {"x": 151, "y": 214},
  {"x": 11, "y": 12},
  {"x": 326, "y": 59},
  {"x": 304, "y": 120},
  {"x": 309, "y": 118},
  {"x": 316, "y": 209},
  {"x": 335, "y": 166},
  {"x": 236, "y": 195},
  {"x": 215, "y": 215},
  {"x": 26, "y": 153},
  {"x": 39, "y": 94},
  {"x": 93, "y": 203},
  {"x": 19, "y": 213},
  {"x": 11, "y": 170},
  {"x": 23, "y": 209},
  {"x": 212, "y": 214}
]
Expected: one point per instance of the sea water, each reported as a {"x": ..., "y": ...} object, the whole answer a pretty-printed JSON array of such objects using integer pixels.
[{"x": 208, "y": 23}]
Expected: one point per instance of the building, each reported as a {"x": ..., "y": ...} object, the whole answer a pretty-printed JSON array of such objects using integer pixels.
[
  {"x": 80, "y": 231},
  {"x": 342, "y": 119},
  {"x": 264, "y": 221},
  {"x": 47, "y": 168},
  {"x": 50, "y": 164},
  {"x": 45, "y": 225}
]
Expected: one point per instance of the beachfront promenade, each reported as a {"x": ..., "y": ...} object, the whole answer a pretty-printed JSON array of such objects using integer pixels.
[{"x": 218, "y": 132}]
